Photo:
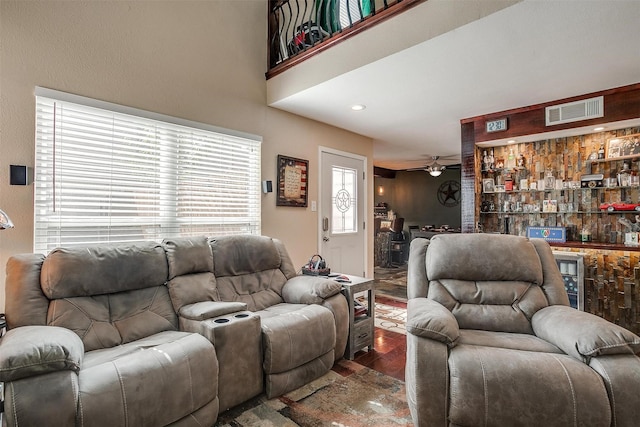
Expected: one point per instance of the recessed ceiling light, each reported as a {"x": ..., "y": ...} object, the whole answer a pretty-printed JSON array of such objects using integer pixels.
[
  {"x": 598, "y": 129},
  {"x": 511, "y": 141},
  {"x": 358, "y": 107}
]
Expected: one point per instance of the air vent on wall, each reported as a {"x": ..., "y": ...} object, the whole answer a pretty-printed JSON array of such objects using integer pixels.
[{"x": 575, "y": 111}]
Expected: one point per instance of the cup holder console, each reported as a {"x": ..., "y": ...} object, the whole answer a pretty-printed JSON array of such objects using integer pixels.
[{"x": 231, "y": 317}]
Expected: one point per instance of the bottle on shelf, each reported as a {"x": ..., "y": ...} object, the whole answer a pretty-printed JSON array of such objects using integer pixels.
[
  {"x": 549, "y": 180},
  {"x": 486, "y": 162},
  {"x": 634, "y": 179},
  {"x": 601, "y": 151},
  {"x": 511, "y": 159},
  {"x": 624, "y": 176}
]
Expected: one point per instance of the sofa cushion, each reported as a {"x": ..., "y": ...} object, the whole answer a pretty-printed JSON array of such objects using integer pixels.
[
  {"x": 583, "y": 335},
  {"x": 505, "y": 387},
  {"x": 34, "y": 350},
  {"x": 480, "y": 257},
  {"x": 553, "y": 283},
  {"x": 509, "y": 340},
  {"x": 309, "y": 289},
  {"x": 154, "y": 381},
  {"x": 247, "y": 269},
  {"x": 295, "y": 334},
  {"x": 258, "y": 290},
  {"x": 106, "y": 355},
  {"x": 25, "y": 303},
  {"x": 283, "y": 382},
  {"x": 186, "y": 255},
  {"x": 209, "y": 309},
  {"x": 491, "y": 305},
  {"x": 193, "y": 288},
  {"x": 108, "y": 320},
  {"x": 241, "y": 255},
  {"x": 89, "y": 271},
  {"x": 490, "y": 282},
  {"x": 428, "y": 319}
]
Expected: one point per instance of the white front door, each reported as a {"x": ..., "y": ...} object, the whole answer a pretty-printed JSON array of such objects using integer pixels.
[{"x": 342, "y": 197}]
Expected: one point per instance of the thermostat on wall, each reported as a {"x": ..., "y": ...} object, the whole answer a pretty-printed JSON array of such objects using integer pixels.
[{"x": 19, "y": 175}]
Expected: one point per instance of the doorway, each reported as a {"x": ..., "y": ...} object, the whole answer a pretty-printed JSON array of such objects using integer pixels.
[{"x": 342, "y": 237}]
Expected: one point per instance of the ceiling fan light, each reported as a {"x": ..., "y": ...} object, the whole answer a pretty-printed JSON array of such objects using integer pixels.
[{"x": 436, "y": 169}]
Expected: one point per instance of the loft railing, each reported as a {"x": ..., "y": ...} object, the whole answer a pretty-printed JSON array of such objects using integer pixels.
[{"x": 299, "y": 29}]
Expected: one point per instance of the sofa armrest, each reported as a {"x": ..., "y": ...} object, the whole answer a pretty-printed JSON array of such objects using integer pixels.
[
  {"x": 619, "y": 373},
  {"x": 209, "y": 309},
  {"x": 582, "y": 335},
  {"x": 309, "y": 289},
  {"x": 427, "y": 318},
  {"x": 34, "y": 350}
]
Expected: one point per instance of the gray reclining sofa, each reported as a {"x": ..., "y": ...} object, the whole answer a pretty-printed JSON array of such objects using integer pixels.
[{"x": 151, "y": 334}]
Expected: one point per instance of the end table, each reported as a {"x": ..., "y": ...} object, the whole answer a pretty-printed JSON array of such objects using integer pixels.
[{"x": 360, "y": 327}]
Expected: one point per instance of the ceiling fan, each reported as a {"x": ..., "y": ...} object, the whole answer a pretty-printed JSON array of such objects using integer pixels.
[{"x": 434, "y": 168}]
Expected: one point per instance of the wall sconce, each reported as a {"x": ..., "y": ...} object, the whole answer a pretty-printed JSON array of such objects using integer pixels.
[{"x": 380, "y": 190}]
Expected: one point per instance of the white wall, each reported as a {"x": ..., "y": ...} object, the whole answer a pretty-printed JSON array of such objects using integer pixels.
[{"x": 199, "y": 60}]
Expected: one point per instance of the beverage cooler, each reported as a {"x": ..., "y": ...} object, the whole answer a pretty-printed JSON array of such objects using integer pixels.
[{"x": 571, "y": 266}]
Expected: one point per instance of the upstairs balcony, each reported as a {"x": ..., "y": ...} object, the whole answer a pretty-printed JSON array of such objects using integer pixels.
[
  {"x": 299, "y": 29},
  {"x": 312, "y": 60},
  {"x": 408, "y": 69}
]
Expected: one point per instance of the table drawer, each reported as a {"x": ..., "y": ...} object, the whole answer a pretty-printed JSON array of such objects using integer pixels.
[{"x": 362, "y": 333}]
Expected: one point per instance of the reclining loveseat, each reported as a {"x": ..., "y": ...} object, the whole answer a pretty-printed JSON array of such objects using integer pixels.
[{"x": 152, "y": 334}]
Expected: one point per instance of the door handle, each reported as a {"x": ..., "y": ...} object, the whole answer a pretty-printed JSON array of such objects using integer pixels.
[{"x": 325, "y": 224}]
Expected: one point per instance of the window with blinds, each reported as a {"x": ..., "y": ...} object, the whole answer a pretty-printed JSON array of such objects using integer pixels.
[{"x": 107, "y": 176}]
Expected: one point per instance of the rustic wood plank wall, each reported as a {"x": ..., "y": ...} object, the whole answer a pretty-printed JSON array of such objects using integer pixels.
[{"x": 612, "y": 272}]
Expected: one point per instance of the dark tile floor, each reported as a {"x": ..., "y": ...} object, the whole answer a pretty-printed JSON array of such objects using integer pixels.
[{"x": 389, "y": 353}]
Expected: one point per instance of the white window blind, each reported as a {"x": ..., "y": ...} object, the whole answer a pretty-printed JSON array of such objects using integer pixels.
[{"x": 105, "y": 176}]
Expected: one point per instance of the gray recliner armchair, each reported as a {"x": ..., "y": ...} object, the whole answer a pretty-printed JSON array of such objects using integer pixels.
[{"x": 492, "y": 341}]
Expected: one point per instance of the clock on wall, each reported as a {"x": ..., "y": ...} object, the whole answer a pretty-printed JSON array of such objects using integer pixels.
[
  {"x": 496, "y": 125},
  {"x": 449, "y": 194}
]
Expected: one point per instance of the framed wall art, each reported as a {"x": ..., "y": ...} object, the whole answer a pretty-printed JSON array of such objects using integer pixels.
[
  {"x": 488, "y": 185},
  {"x": 292, "y": 181},
  {"x": 624, "y": 146}
]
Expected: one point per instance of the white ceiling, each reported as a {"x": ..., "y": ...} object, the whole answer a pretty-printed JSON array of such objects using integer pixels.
[{"x": 527, "y": 53}]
